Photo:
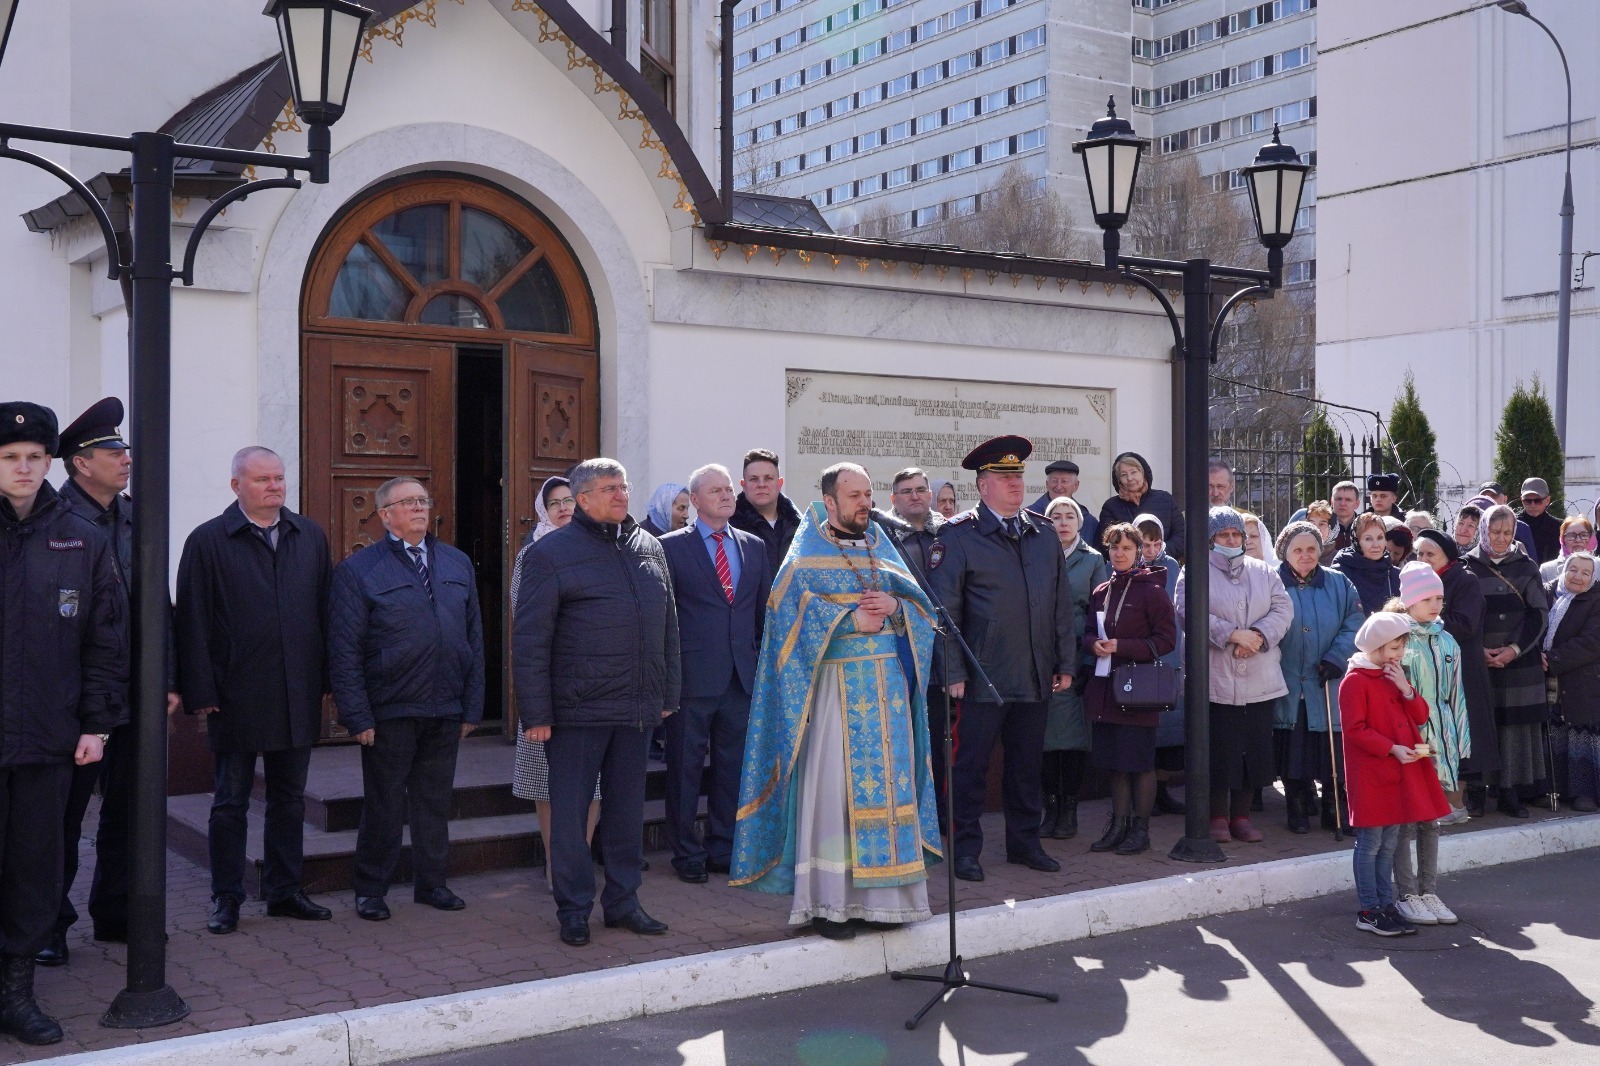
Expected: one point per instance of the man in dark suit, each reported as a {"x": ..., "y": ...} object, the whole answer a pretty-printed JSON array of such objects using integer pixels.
[
  {"x": 405, "y": 654},
  {"x": 720, "y": 578},
  {"x": 1000, "y": 573},
  {"x": 252, "y": 612}
]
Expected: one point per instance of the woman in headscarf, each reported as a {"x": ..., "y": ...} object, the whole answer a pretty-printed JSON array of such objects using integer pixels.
[
  {"x": 944, "y": 499},
  {"x": 669, "y": 510},
  {"x": 1515, "y": 611},
  {"x": 1398, "y": 539},
  {"x": 1463, "y": 620},
  {"x": 1577, "y": 535},
  {"x": 1131, "y": 477},
  {"x": 1250, "y": 613},
  {"x": 1066, "y": 731},
  {"x": 1366, "y": 563},
  {"x": 530, "y": 776},
  {"x": 1257, "y": 540},
  {"x": 1318, "y": 644},
  {"x": 1170, "y": 739},
  {"x": 1572, "y": 658}
]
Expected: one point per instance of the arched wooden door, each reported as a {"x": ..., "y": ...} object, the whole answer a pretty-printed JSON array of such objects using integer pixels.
[{"x": 448, "y": 334}]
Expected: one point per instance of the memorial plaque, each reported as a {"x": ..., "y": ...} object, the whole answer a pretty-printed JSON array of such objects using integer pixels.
[{"x": 889, "y": 423}]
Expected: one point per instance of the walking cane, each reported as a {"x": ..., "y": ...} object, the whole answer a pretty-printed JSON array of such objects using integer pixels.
[
  {"x": 1550, "y": 753},
  {"x": 1333, "y": 764}
]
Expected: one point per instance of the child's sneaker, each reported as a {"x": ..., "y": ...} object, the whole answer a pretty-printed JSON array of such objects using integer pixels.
[
  {"x": 1441, "y": 914},
  {"x": 1457, "y": 816},
  {"x": 1379, "y": 922},
  {"x": 1406, "y": 927},
  {"x": 1414, "y": 909}
]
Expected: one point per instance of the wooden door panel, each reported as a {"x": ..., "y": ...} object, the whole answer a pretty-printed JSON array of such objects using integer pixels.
[{"x": 375, "y": 410}]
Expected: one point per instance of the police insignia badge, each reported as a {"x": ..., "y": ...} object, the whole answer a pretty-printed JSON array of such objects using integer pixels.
[
  {"x": 935, "y": 556},
  {"x": 69, "y": 603}
]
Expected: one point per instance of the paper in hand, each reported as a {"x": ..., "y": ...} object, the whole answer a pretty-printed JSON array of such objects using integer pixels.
[{"x": 1102, "y": 663}]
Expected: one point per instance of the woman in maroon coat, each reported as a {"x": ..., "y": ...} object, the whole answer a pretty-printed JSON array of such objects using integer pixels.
[
  {"x": 1139, "y": 628},
  {"x": 1389, "y": 777}
]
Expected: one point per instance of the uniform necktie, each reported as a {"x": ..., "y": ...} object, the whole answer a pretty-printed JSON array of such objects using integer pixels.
[
  {"x": 422, "y": 570},
  {"x": 724, "y": 574},
  {"x": 1012, "y": 529}
]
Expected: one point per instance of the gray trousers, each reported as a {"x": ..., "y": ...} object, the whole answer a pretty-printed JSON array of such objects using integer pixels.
[{"x": 1423, "y": 877}]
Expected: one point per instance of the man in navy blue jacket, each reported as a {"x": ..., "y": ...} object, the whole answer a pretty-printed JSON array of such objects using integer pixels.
[
  {"x": 720, "y": 580},
  {"x": 405, "y": 654}
]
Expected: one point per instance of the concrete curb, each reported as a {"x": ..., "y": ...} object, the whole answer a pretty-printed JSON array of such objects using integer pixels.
[{"x": 376, "y": 1035}]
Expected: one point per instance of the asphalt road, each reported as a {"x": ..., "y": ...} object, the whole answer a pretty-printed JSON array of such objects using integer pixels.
[{"x": 1298, "y": 985}]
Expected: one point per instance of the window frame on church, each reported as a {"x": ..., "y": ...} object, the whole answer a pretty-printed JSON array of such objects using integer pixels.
[{"x": 658, "y": 25}]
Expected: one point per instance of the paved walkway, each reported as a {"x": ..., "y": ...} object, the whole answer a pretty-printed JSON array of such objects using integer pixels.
[{"x": 278, "y": 969}]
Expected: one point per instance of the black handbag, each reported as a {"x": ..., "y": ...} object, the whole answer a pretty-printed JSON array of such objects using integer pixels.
[{"x": 1143, "y": 686}]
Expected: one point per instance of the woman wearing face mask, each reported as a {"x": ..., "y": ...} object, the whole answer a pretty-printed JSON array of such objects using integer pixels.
[
  {"x": 1130, "y": 477},
  {"x": 1366, "y": 563},
  {"x": 1515, "y": 611},
  {"x": 1321, "y": 639},
  {"x": 1463, "y": 619},
  {"x": 1572, "y": 658},
  {"x": 1139, "y": 628},
  {"x": 1250, "y": 613},
  {"x": 1066, "y": 731}
]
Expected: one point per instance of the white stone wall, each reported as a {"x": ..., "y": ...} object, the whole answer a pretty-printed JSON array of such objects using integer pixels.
[{"x": 1443, "y": 124}]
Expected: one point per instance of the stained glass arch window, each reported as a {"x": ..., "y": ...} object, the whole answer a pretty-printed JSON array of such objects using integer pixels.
[{"x": 450, "y": 254}]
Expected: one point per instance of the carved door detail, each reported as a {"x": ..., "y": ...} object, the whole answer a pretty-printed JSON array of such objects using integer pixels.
[{"x": 553, "y": 421}]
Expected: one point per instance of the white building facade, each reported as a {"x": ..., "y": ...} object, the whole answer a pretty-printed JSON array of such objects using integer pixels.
[{"x": 1439, "y": 224}]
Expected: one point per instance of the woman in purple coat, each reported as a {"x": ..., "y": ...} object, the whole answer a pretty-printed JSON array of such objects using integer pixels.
[{"x": 1139, "y": 628}]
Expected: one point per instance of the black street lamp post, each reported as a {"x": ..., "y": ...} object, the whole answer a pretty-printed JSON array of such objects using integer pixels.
[
  {"x": 320, "y": 41},
  {"x": 1275, "y": 180}
]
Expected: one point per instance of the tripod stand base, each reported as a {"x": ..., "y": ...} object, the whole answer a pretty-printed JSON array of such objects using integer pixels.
[
  {"x": 953, "y": 978},
  {"x": 1197, "y": 849},
  {"x": 144, "y": 1010}
]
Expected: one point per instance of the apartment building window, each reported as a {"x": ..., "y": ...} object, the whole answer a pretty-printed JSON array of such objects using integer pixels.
[
  {"x": 963, "y": 159},
  {"x": 841, "y": 149},
  {"x": 1026, "y": 142},
  {"x": 898, "y": 177},
  {"x": 966, "y": 205},
  {"x": 898, "y": 132},
  {"x": 997, "y": 149},
  {"x": 996, "y": 100},
  {"x": 789, "y": 166},
  {"x": 926, "y": 216},
  {"x": 1236, "y": 179},
  {"x": 870, "y": 50},
  {"x": 817, "y": 71},
  {"x": 903, "y": 84},
  {"x": 1306, "y": 219},
  {"x": 960, "y": 16},
  {"x": 1295, "y": 57},
  {"x": 929, "y": 28},
  {"x": 816, "y": 115},
  {"x": 789, "y": 124},
  {"x": 869, "y": 185},
  {"x": 745, "y": 139},
  {"x": 931, "y": 121},
  {"x": 1285, "y": 8},
  {"x": 1295, "y": 273},
  {"x": 870, "y": 95},
  {"x": 869, "y": 140},
  {"x": 962, "y": 111},
  {"x": 902, "y": 39},
  {"x": 928, "y": 75},
  {"x": 657, "y": 21},
  {"x": 929, "y": 168},
  {"x": 839, "y": 193},
  {"x": 962, "y": 63},
  {"x": 789, "y": 40},
  {"x": 1030, "y": 90},
  {"x": 816, "y": 157}
]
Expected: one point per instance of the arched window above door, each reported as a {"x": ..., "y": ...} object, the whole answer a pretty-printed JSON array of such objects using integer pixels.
[{"x": 451, "y": 254}]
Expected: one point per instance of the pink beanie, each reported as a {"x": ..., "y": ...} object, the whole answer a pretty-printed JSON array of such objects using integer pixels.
[{"x": 1418, "y": 582}]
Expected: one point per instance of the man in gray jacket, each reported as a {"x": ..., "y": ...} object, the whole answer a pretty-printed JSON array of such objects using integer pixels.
[{"x": 595, "y": 660}]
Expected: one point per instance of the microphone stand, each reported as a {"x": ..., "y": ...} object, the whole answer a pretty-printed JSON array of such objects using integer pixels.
[{"x": 954, "y": 975}]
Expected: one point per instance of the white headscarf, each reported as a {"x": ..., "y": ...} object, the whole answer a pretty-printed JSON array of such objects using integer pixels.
[
  {"x": 661, "y": 502},
  {"x": 543, "y": 511}
]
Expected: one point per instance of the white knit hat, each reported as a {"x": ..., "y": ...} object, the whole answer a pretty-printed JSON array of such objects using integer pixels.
[{"x": 1380, "y": 629}]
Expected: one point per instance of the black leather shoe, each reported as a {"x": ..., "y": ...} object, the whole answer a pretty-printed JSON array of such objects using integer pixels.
[
  {"x": 372, "y": 908},
  {"x": 692, "y": 873},
  {"x": 20, "y": 1015},
  {"x": 1165, "y": 803},
  {"x": 574, "y": 931},
  {"x": 441, "y": 899},
  {"x": 1510, "y": 804},
  {"x": 1036, "y": 861},
  {"x": 715, "y": 867},
  {"x": 55, "y": 952},
  {"x": 969, "y": 869},
  {"x": 1477, "y": 798},
  {"x": 298, "y": 906},
  {"x": 637, "y": 921},
  {"x": 224, "y": 915},
  {"x": 833, "y": 930},
  {"x": 111, "y": 934}
]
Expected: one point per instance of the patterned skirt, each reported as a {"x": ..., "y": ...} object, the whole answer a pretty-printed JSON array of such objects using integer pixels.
[
  {"x": 530, "y": 778},
  {"x": 1577, "y": 759}
]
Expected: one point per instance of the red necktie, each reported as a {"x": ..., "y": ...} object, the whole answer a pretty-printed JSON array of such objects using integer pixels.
[{"x": 724, "y": 575}]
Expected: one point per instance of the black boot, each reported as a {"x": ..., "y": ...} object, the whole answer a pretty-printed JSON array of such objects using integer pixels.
[
  {"x": 1116, "y": 831},
  {"x": 1137, "y": 840},
  {"x": 1052, "y": 812},
  {"x": 1294, "y": 794},
  {"x": 1067, "y": 823},
  {"x": 1165, "y": 804},
  {"x": 20, "y": 1016},
  {"x": 1509, "y": 803},
  {"x": 1257, "y": 804},
  {"x": 1477, "y": 799}
]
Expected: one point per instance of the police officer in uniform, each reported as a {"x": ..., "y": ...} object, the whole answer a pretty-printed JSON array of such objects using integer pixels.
[
  {"x": 63, "y": 676},
  {"x": 999, "y": 571},
  {"x": 1383, "y": 496},
  {"x": 98, "y": 465}
]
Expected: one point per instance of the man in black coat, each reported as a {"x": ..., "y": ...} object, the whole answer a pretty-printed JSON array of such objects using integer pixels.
[
  {"x": 1061, "y": 478},
  {"x": 1544, "y": 526},
  {"x": 720, "y": 583},
  {"x": 63, "y": 676},
  {"x": 405, "y": 655},
  {"x": 762, "y": 508},
  {"x": 98, "y": 466},
  {"x": 595, "y": 662},
  {"x": 999, "y": 572},
  {"x": 252, "y": 617}
]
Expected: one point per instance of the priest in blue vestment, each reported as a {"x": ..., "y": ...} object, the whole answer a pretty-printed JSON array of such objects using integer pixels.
[{"x": 836, "y": 801}]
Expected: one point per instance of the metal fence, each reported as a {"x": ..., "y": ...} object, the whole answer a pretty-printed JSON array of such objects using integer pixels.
[{"x": 1270, "y": 471}]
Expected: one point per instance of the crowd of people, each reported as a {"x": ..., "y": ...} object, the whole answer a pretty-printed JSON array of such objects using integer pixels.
[{"x": 801, "y": 667}]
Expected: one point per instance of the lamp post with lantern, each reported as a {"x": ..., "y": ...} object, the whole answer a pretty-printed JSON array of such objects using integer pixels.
[
  {"x": 1275, "y": 181},
  {"x": 320, "y": 40}
]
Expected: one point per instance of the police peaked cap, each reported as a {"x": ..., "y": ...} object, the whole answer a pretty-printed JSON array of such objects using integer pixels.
[
  {"x": 95, "y": 428},
  {"x": 1002, "y": 454}
]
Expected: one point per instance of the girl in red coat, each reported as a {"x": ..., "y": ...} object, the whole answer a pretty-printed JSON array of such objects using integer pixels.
[{"x": 1390, "y": 776}]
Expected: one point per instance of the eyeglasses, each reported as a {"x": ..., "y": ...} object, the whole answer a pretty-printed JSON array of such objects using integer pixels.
[
  {"x": 1577, "y": 535},
  {"x": 409, "y": 503},
  {"x": 563, "y": 501}
]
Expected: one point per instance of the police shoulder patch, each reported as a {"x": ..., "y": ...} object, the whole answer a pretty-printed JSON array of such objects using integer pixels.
[
  {"x": 964, "y": 516},
  {"x": 935, "y": 555},
  {"x": 67, "y": 545}
]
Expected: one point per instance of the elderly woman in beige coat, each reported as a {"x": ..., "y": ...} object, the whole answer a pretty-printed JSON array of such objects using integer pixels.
[{"x": 1250, "y": 613}]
